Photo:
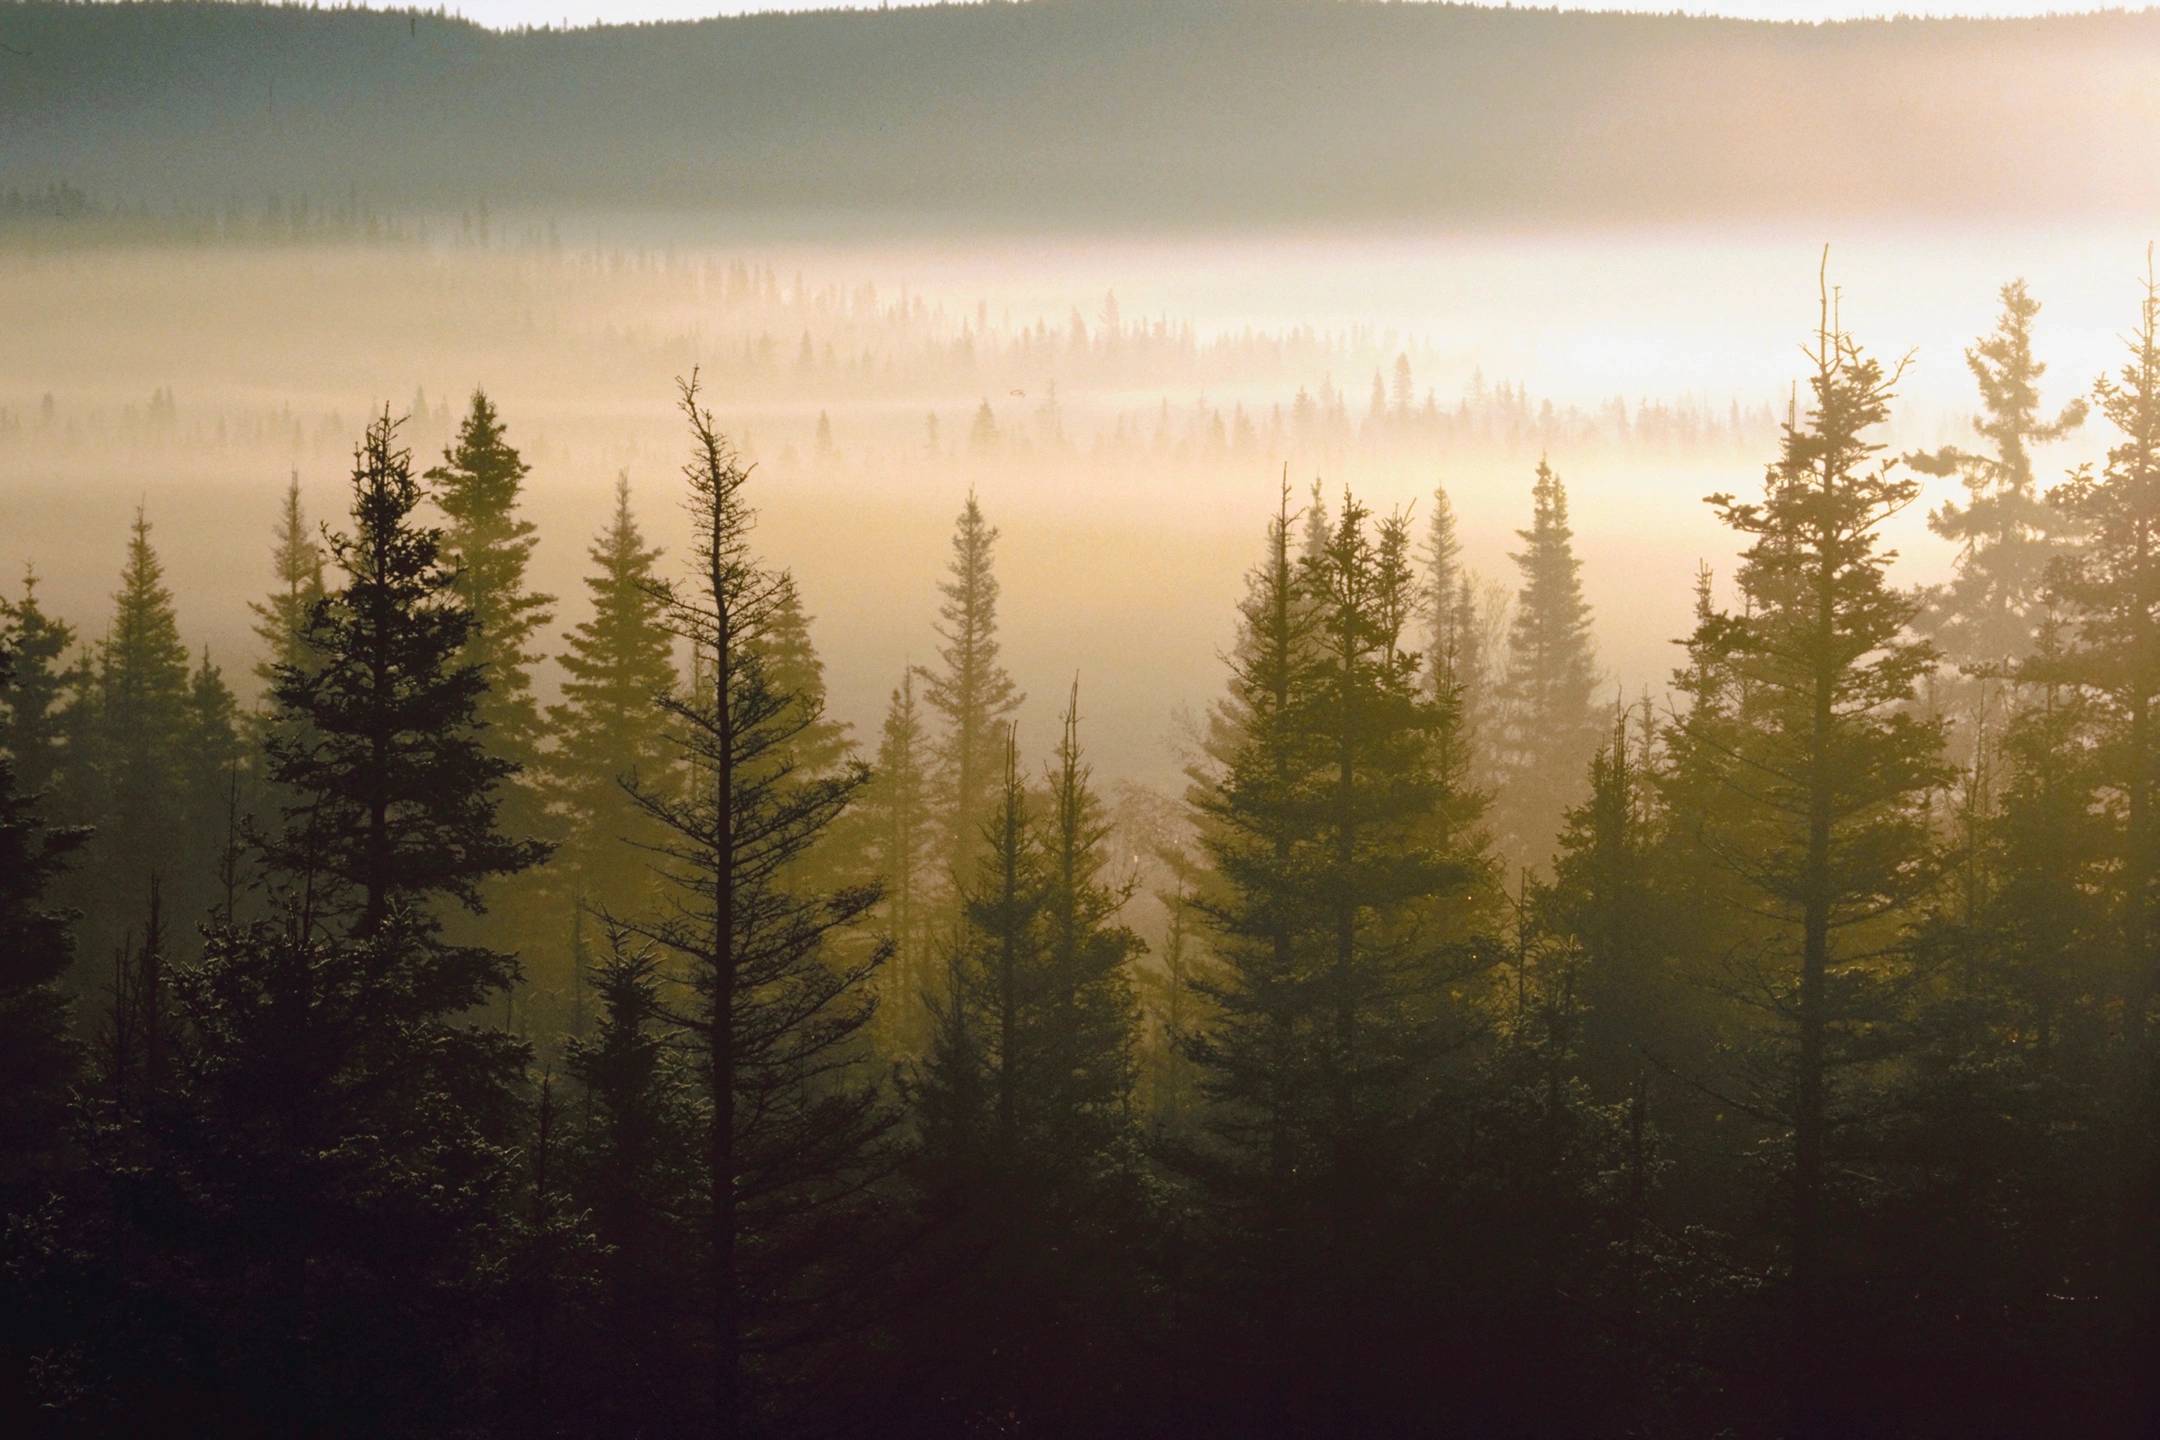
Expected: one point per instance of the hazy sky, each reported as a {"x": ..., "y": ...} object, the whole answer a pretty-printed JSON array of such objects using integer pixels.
[{"x": 551, "y": 12}]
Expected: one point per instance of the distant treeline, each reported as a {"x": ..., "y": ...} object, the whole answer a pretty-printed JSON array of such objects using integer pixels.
[{"x": 1111, "y": 114}]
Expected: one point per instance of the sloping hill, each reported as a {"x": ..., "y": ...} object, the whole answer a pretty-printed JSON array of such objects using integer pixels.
[{"x": 1116, "y": 112}]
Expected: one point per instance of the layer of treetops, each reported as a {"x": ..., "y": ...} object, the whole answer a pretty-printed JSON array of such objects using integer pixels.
[
  {"x": 400, "y": 1055},
  {"x": 1120, "y": 113}
]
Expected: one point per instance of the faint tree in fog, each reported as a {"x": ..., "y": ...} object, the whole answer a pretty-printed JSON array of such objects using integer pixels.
[
  {"x": 1547, "y": 699},
  {"x": 616, "y": 664},
  {"x": 2007, "y": 535},
  {"x": 969, "y": 689}
]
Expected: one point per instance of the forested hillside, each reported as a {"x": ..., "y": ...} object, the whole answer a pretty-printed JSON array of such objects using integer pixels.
[{"x": 1164, "y": 114}]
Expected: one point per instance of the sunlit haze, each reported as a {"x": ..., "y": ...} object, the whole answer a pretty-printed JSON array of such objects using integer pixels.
[{"x": 1277, "y": 719}]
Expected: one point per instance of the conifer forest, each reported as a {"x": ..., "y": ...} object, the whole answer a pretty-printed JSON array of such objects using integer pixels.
[{"x": 1081, "y": 718}]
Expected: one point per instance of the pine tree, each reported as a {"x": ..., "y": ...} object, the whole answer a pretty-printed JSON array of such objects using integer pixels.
[
  {"x": 140, "y": 726},
  {"x": 37, "y": 1059},
  {"x": 901, "y": 840},
  {"x": 1456, "y": 670},
  {"x": 281, "y": 617},
  {"x": 1547, "y": 699},
  {"x": 488, "y": 545},
  {"x": 1088, "y": 960},
  {"x": 1828, "y": 772},
  {"x": 38, "y": 708},
  {"x": 325, "y": 1157},
  {"x": 1245, "y": 794},
  {"x": 780, "y": 1021},
  {"x": 970, "y": 690},
  {"x": 392, "y": 794},
  {"x": 213, "y": 793},
  {"x": 2109, "y": 591},
  {"x": 634, "y": 1162},
  {"x": 2006, "y": 533},
  {"x": 1024, "y": 1111},
  {"x": 992, "y": 1017},
  {"x": 1330, "y": 998},
  {"x": 1605, "y": 904},
  {"x": 616, "y": 664},
  {"x": 331, "y": 1075}
]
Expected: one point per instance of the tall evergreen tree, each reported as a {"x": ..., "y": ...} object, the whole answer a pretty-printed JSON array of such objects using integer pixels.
[
  {"x": 37, "y": 1059},
  {"x": 213, "y": 793},
  {"x": 1828, "y": 772},
  {"x": 2006, "y": 533},
  {"x": 38, "y": 709},
  {"x": 1331, "y": 996},
  {"x": 391, "y": 792},
  {"x": 1547, "y": 698},
  {"x": 1023, "y": 1112},
  {"x": 320, "y": 1174},
  {"x": 488, "y": 546},
  {"x": 334, "y": 1127},
  {"x": 2109, "y": 590},
  {"x": 634, "y": 1166},
  {"x": 1456, "y": 661},
  {"x": 902, "y": 839},
  {"x": 992, "y": 1014},
  {"x": 1088, "y": 960},
  {"x": 281, "y": 617},
  {"x": 780, "y": 1021},
  {"x": 1605, "y": 904},
  {"x": 616, "y": 664},
  {"x": 969, "y": 690},
  {"x": 1245, "y": 796},
  {"x": 140, "y": 727},
  {"x": 281, "y": 620}
]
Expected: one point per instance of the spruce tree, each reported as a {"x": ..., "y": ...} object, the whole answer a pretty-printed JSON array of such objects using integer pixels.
[
  {"x": 969, "y": 690},
  {"x": 1088, "y": 962},
  {"x": 993, "y": 1012},
  {"x": 488, "y": 546},
  {"x": 1828, "y": 772},
  {"x": 391, "y": 791},
  {"x": 616, "y": 664},
  {"x": 1024, "y": 1112},
  {"x": 334, "y": 1128},
  {"x": 1605, "y": 904},
  {"x": 1330, "y": 1000},
  {"x": 38, "y": 709},
  {"x": 2006, "y": 533},
  {"x": 1457, "y": 666},
  {"x": 2109, "y": 592},
  {"x": 214, "y": 793},
  {"x": 901, "y": 840},
  {"x": 1245, "y": 794},
  {"x": 281, "y": 617},
  {"x": 634, "y": 1161},
  {"x": 321, "y": 1173},
  {"x": 37, "y": 1058},
  {"x": 791, "y": 1130},
  {"x": 1547, "y": 700},
  {"x": 140, "y": 727}
]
